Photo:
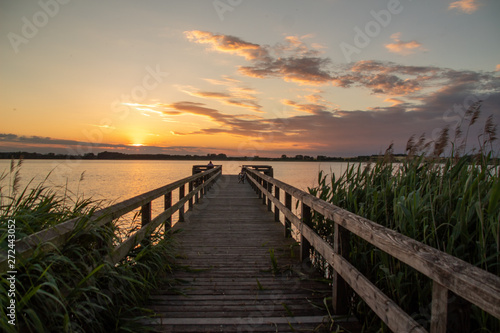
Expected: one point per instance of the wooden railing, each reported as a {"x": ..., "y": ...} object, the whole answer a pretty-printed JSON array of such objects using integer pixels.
[
  {"x": 447, "y": 272},
  {"x": 48, "y": 239},
  {"x": 266, "y": 169}
]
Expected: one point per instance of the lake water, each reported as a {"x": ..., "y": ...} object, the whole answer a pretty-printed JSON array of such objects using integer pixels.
[{"x": 115, "y": 181}]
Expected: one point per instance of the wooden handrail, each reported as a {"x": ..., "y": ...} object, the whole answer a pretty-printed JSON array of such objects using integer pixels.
[
  {"x": 447, "y": 272},
  {"x": 55, "y": 236}
]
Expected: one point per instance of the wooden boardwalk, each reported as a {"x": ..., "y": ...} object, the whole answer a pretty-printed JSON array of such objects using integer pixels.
[{"x": 231, "y": 284}]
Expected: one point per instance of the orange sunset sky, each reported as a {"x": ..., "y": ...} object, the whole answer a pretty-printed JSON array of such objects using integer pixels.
[{"x": 241, "y": 77}]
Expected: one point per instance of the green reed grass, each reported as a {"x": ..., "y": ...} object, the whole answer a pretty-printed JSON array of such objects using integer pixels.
[
  {"x": 451, "y": 203},
  {"x": 72, "y": 288}
]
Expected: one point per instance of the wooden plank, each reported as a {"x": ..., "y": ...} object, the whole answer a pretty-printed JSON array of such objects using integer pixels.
[{"x": 235, "y": 321}]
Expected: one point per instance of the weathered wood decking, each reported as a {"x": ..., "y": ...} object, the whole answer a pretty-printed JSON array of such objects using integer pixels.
[{"x": 230, "y": 284}]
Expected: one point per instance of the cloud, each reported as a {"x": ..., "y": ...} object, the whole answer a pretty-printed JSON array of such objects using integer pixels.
[
  {"x": 292, "y": 60},
  {"x": 403, "y": 48},
  {"x": 302, "y": 70},
  {"x": 228, "y": 44},
  {"x": 465, "y": 6},
  {"x": 13, "y": 142},
  {"x": 394, "y": 101},
  {"x": 236, "y": 96}
]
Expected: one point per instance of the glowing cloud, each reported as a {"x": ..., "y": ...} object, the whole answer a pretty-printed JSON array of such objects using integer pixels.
[
  {"x": 465, "y": 6},
  {"x": 403, "y": 48},
  {"x": 228, "y": 44}
]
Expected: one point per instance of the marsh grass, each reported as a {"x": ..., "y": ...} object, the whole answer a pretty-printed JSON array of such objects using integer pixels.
[
  {"x": 72, "y": 288},
  {"x": 451, "y": 203}
]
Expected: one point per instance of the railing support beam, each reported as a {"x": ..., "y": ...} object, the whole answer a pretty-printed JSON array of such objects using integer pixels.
[
  {"x": 288, "y": 223},
  {"x": 439, "y": 310},
  {"x": 305, "y": 246},
  {"x": 167, "y": 205},
  {"x": 182, "y": 190},
  {"x": 276, "y": 210},
  {"x": 270, "y": 190},
  {"x": 340, "y": 288},
  {"x": 191, "y": 199}
]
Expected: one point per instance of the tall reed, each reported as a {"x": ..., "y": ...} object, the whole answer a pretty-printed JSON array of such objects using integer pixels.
[
  {"x": 72, "y": 288},
  {"x": 451, "y": 203}
]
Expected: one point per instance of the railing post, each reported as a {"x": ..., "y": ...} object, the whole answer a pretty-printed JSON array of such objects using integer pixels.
[
  {"x": 270, "y": 190},
  {"x": 197, "y": 195},
  {"x": 439, "y": 314},
  {"x": 146, "y": 214},
  {"x": 168, "y": 204},
  {"x": 191, "y": 199},
  {"x": 276, "y": 210},
  {"x": 305, "y": 246},
  {"x": 181, "y": 209},
  {"x": 202, "y": 191},
  {"x": 145, "y": 219},
  {"x": 288, "y": 224},
  {"x": 340, "y": 288},
  {"x": 264, "y": 185}
]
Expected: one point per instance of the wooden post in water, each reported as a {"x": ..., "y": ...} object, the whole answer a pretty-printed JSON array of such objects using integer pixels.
[
  {"x": 288, "y": 224},
  {"x": 276, "y": 210},
  {"x": 168, "y": 204},
  {"x": 340, "y": 289},
  {"x": 305, "y": 246},
  {"x": 181, "y": 195}
]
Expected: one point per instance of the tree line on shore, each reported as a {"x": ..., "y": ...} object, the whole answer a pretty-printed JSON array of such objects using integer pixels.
[{"x": 106, "y": 155}]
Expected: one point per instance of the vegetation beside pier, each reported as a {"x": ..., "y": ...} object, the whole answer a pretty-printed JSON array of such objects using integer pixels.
[
  {"x": 72, "y": 288},
  {"x": 451, "y": 204}
]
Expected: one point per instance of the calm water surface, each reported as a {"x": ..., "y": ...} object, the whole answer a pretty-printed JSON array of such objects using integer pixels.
[{"x": 115, "y": 181}]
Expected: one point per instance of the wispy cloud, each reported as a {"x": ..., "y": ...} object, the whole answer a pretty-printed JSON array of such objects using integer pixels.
[
  {"x": 228, "y": 44},
  {"x": 465, "y": 6},
  {"x": 61, "y": 146},
  {"x": 235, "y": 96},
  {"x": 403, "y": 48}
]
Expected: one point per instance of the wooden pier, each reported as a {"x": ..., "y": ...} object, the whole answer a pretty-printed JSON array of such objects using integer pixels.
[{"x": 242, "y": 274}]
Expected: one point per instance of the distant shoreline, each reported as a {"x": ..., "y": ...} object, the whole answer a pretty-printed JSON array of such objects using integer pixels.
[{"x": 165, "y": 157}]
